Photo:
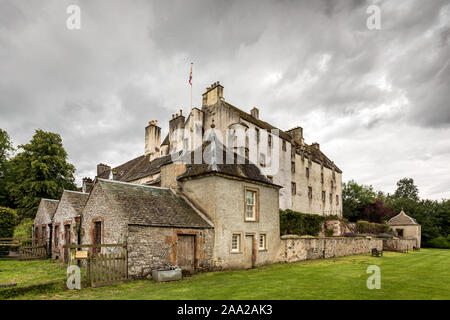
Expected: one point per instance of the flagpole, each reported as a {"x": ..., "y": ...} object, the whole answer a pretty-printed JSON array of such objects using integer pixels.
[{"x": 191, "y": 84}]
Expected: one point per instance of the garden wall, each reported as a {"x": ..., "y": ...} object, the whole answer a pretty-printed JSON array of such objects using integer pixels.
[
  {"x": 294, "y": 248},
  {"x": 399, "y": 244}
]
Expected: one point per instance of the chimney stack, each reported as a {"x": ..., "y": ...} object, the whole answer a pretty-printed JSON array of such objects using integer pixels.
[
  {"x": 297, "y": 134},
  {"x": 87, "y": 185},
  {"x": 255, "y": 112},
  {"x": 315, "y": 145},
  {"x": 213, "y": 94},
  {"x": 152, "y": 139},
  {"x": 101, "y": 168}
]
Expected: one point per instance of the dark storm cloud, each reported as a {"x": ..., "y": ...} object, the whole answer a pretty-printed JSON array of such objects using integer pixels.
[{"x": 375, "y": 99}]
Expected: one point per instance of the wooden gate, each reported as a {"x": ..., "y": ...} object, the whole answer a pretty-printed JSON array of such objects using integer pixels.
[
  {"x": 102, "y": 268},
  {"x": 186, "y": 252}
]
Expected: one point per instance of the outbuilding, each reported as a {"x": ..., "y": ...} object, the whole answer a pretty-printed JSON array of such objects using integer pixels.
[
  {"x": 42, "y": 226},
  {"x": 66, "y": 222},
  {"x": 406, "y": 227},
  {"x": 159, "y": 228}
]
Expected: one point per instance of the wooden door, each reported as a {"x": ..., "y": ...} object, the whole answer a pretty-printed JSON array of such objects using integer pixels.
[
  {"x": 97, "y": 236},
  {"x": 248, "y": 252},
  {"x": 186, "y": 252},
  {"x": 67, "y": 237}
]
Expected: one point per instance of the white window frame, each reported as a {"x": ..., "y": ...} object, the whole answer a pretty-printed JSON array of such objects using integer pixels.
[
  {"x": 255, "y": 204},
  {"x": 261, "y": 236},
  {"x": 239, "y": 243}
]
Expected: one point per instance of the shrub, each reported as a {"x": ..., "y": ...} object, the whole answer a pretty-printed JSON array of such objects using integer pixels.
[
  {"x": 370, "y": 227},
  {"x": 292, "y": 222},
  {"x": 329, "y": 232},
  {"x": 8, "y": 219},
  {"x": 350, "y": 234},
  {"x": 24, "y": 229},
  {"x": 439, "y": 242}
]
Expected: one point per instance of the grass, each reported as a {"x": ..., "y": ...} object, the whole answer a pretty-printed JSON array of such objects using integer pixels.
[
  {"x": 416, "y": 275},
  {"x": 31, "y": 276}
]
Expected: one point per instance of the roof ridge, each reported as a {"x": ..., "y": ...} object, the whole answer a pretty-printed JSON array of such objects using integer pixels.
[
  {"x": 76, "y": 192},
  {"x": 133, "y": 184}
]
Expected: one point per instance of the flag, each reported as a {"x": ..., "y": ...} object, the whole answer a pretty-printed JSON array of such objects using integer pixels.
[{"x": 190, "y": 75}]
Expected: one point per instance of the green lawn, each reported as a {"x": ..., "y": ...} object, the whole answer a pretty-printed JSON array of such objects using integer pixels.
[{"x": 416, "y": 275}]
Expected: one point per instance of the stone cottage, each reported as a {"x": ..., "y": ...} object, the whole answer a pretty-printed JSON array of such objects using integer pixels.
[
  {"x": 159, "y": 227},
  {"x": 43, "y": 223},
  {"x": 406, "y": 227},
  {"x": 66, "y": 220}
]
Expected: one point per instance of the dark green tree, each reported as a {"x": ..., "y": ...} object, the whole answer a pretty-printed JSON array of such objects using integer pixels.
[
  {"x": 5, "y": 151},
  {"x": 406, "y": 189},
  {"x": 355, "y": 198},
  {"x": 40, "y": 170}
]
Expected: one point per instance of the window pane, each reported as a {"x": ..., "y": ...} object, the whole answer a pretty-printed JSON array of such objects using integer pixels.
[
  {"x": 250, "y": 211},
  {"x": 250, "y": 197}
]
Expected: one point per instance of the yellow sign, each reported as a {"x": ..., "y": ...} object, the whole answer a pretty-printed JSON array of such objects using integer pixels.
[{"x": 81, "y": 254}]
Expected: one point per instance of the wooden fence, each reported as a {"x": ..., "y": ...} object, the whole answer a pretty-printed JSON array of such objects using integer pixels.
[
  {"x": 26, "y": 249},
  {"x": 103, "y": 268}
]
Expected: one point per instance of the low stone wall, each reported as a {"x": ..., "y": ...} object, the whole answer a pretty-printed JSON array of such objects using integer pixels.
[
  {"x": 294, "y": 248},
  {"x": 399, "y": 244}
]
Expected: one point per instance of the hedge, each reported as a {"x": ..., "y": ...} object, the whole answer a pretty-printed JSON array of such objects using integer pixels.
[
  {"x": 8, "y": 219},
  {"x": 293, "y": 222},
  {"x": 370, "y": 227}
]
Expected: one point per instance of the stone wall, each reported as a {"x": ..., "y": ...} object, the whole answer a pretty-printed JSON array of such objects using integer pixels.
[
  {"x": 399, "y": 244},
  {"x": 294, "y": 248},
  {"x": 152, "y": 248}
]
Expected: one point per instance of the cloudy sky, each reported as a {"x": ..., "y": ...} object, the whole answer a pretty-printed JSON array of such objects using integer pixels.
[{"x": 377, "y": 101}]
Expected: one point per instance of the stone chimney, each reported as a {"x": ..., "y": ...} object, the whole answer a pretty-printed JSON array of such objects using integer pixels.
[
  {"x": 255, "y": 112},
  {"x": 87, "y": 185},
  {"x": 213, "y": 94},
  {"x": 297, "y": 134},
  {"x": 315, "y": 145},
  {"x": 101, "y": 168},
  {"x": 152, "y": 139},
  {"x": 176, "y": 132}
]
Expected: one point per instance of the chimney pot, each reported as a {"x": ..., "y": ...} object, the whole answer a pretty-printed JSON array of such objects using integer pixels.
[
  {"x": 181, "y": 112},
  {"x": 255, "y": 112}
]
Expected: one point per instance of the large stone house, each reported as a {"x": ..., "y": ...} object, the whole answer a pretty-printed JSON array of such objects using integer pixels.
[
  {"x": 310, "y": 182},
  {"x": 207, "y": 197},
  {"x": 65, "y": 222},
  {"x": 406, "y": 227}
]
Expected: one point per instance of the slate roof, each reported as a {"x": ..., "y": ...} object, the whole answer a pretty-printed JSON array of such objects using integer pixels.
[
  {"x": 402, "y": 219},
  {"x": 151, "y": 206},
  {"x": 214, "y": 160},
  {"x": 262, "y": 124},
  {"x": 76, "y": 199},
  {"x": 139, "y": 167},
  {"x": 48, "y": 206},
  {"x": 316, "y": 155}
]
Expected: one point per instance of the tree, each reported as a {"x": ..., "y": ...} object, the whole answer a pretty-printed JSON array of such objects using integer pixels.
[
  {"x": 377, "y": 212},
  {"x": 40, "y": 171},
  {"x": 7, "y": 224},
  {"x": 5, "y": 150},
  {"x": 355, "y": 198},
  {"x": 406, "y": 189}
]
